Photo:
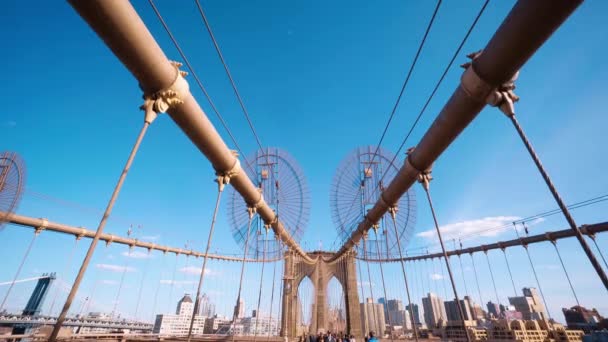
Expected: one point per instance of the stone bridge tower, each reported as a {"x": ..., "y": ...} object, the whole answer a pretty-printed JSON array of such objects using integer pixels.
[{"x": 320, "y": 273}]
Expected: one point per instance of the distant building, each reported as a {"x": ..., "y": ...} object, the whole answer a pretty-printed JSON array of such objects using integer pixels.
[
  {"x": 452, "y": 312},
  {"x": 529, "y": 305},
  {"x": 260, "y": 325},
  {"x": 579, "y": 317},
  {"x": 400, "y": 318},
  {"x": 415, "y": 312},
  {"x": 239, "y": 309},
  {"x": 179, "y": 324},
  {"x": 372, "y": 317},
  {"x": 434, "y": 310},
  {"x": 493, "y": 310},
  {"x": 215, "y": 323},
  {"x": 207, "y": 308}
]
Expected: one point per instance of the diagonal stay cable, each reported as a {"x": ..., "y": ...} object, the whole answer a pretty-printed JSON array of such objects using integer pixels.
[
  {"x": 221, "y": 56},
  {"x": 407, "y": 78},
  {"x": 198, "y": 81},
  {"x": 439, "y": 82}
]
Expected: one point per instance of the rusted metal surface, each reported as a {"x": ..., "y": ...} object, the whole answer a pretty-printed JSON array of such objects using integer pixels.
[
  {"x": 81, "y": 232},
  {"x": 588, "y": 230},
  {"x": 526, "y": 28},
  {"x": 120, "y": 27}
]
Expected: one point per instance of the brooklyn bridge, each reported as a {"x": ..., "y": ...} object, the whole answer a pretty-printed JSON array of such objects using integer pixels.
[{"x": 415, "y": 244}]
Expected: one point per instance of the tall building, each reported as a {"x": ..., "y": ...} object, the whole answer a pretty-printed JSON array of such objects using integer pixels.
[
  {"x": 395, "y": 313},
  {"x": 434, "y": 310},
  {"x": 400, "y": 318},
  {"x": 493, "y": 310},
  {"x": 179, "y": 323},
  {"x": 372, "y": 317},
  {"x": 185, "y": 306},
  {"x": 207, "y": 308},
  {"x": 452, "y": 312},
  {"x": 415, "y": 312},
  {"x": 239, "y": 309},
  {"x": 529, "y": 305}
]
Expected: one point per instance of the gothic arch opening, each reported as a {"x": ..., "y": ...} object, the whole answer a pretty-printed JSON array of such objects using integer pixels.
[
  {"x": 305, "y": 305},
  {"x": 336, "y": 306}
]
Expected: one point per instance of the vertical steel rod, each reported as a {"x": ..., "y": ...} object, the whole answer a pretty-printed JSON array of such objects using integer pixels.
[
  {"x": 102, "y": 224},
  {"x": 383, "y": 284},
  {"x": 561, "y": 261},
  {"x": 238, "y": 296},
  {"x": 492, "y": 277},
  {"x": 510, "y": 273},
  {"x": 447, "y": 260},
  {"x": 220, "y": 181},
  {"x": 407, "y": 287},
  {"x": 596, "y": 265},
  {"x": 27, "y": 252},
  {"x": 476, "y": 279}
]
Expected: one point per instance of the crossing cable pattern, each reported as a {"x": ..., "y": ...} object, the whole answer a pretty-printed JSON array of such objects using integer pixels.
[
  {"x": 195, "y": 76},
  {"x": 221, "y": 56},
  {"x": 407, "y": 78},
  {"x": 438, "y": 84},
  {"x": 396, "y": 105}
]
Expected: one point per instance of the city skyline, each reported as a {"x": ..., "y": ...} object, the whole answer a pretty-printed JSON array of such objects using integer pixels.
[{"x": 74, "y": 149}]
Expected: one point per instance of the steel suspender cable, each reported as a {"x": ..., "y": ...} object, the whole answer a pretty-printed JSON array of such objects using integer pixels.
[
  {"x": 533, "y": 269},
  {"x": 371, "y": 290},
  {"x": 122, "y": 278},
  {"x": 476, "y": 279},
  {"x": 424, "y": 180},
  {"x": 221, "y": 183},
  {"x": 383, "y": 284},
  {"x": 25, "y": 255},
  {"x": 251, "y": 212},
  {"x": 464, "y": 279},
  {"x": 596, "y": 265},
  {"x": 407, "y": 78},
  {"x": 198, "y": 81},
  {"x": 274, "y": 271},
  {"x": 565, "y": 271},
  {"x": 599, "y": 251},
  {"x": 504, "y": 253},
  {"x": 149, "y": 118},
  {"x": 257, "y": 312},
  {"x": 492, "y": 276},
  {"x": 63, "y": 274},
  {"x": 393, "y": 212},
  {"x": 162, "y": 266},
  {"x": 173, "y": 281},
  {"x": 141, "y": 285},
  {"x": 282, "y": 283},
  {"x": 443, "y": 280}
]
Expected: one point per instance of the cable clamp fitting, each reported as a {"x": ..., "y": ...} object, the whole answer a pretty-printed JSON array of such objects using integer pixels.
[
  {"x": 223, "y": 177},
  {"x": 162, "y": 100},
  {"x": 502, "y": 96}
]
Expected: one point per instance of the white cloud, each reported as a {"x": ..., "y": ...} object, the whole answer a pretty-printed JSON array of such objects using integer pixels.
[
  {"x": 197, "y": 271},
  {"x": 115, "y": 268},
  {"x": 436, "y": 276},
  {"x": 137, "y": 254},
  {"x": 482, "y": 227}
]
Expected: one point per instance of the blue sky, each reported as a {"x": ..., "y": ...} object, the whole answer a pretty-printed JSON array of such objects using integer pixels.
[{"x": 318, "y": 79}]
